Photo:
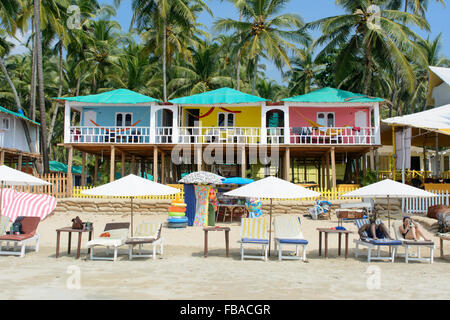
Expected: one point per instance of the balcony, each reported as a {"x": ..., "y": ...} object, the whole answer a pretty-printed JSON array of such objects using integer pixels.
[{"x": 223, "y": 135}]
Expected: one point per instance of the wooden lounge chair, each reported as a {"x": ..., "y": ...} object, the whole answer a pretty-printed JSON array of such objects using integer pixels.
[
  {"x": 146, "y": 233},
  {"x": 375, "y": 244},
  {"x": 118, "y": 236},
  {"x": 408, "y": 244},
  {"x": 28, "y": 235},
  {"x": 254, "y": 232},
  {"x": 288, "y": 232}
]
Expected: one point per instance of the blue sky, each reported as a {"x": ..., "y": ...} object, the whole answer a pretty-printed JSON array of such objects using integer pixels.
[{"x": 310, "y": 10}]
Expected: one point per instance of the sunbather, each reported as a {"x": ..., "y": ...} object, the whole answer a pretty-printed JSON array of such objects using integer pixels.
[
  {"x": 410, "y": 230},
  {"x": 374, "y": 231}
]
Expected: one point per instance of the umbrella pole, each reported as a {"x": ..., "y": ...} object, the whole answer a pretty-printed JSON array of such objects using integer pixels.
[
  {"x": 389, "y": 219},
  {"x": 270, "y": 226},
  {"x": 1, "y": 198},
  {"x": 131, "y": 216}
]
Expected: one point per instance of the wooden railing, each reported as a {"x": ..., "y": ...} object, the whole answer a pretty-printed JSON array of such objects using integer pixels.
[
  {"x": 58, "y": 187},
  {"x": 411, "y": 174}
]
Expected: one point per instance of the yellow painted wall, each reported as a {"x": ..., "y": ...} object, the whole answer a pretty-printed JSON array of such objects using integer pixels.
[{"x": 249, "y": 117}]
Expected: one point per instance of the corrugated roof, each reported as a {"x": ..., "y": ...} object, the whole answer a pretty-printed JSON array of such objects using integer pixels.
[
  {"x": 332, "y": 95},
  {"x": 18, "y": 115},
  {"x": 119, "y": 96},
  {"x": 219, "y": 96}
]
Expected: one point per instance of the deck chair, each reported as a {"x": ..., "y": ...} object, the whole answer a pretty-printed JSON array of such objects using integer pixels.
[
  {"x": 254, "y": 232},
  {"x": 288, "y": 232},
  {"x": 146, "y": 233},
  {"x": 408, "y": 244},
  {"x": 375, "y": 244},
  {"x": 118, "y": 236},
  {"x": 28, "y": 235}
]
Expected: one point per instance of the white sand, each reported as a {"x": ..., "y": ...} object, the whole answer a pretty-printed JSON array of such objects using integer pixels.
[{"x": 183, "y": 272}]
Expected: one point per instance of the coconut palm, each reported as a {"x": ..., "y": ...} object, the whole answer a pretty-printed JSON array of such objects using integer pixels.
[
  {"x": 369, "y": 32},
  {"x": 264, "y": 31}
]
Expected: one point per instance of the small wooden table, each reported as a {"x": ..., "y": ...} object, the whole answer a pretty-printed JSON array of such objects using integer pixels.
[
  {"x": 70, "y": 230},
  {"x": 227, "y": 238},
  {"x": 441, "y": 239},
  {"x": 326, "y": 231}
]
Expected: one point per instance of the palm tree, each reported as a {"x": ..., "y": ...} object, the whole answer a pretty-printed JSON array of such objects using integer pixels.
[
  {"x": 360, "y": 33},
  {"x": 305, "y": 68},
  {"x": 264, "y": 31},
  {"x": 156, "y": 13},
  {"x": 418, "y": 7},
  {"x": 200, "y": 75}
]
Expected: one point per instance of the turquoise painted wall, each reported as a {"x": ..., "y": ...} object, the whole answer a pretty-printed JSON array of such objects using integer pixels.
[{"x": 106, "y": 116}]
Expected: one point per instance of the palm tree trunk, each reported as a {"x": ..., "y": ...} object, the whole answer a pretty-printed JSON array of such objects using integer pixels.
[
  {"x": 164, "y": 60},
  {"x": 40, "y": 77},
  {"x": 367, "y": 71},
  {"x": 32, "y": 113},
  {"x": 238, "y": 60},
  {"x": 60, "y": 89},
  {"x": 255, "y": 74}
]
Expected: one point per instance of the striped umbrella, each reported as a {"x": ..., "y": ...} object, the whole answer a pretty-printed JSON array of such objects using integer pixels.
[{"x": 33, "y": 205}]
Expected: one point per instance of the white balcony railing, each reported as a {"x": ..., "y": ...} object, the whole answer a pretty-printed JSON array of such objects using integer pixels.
[{"x": 223, "y": 135}]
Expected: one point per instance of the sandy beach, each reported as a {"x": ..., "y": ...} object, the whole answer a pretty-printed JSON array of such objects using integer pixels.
[{"x": 183, "y": 273}]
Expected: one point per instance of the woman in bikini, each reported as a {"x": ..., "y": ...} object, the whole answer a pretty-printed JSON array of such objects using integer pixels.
[{"x": 410, "y": 230}]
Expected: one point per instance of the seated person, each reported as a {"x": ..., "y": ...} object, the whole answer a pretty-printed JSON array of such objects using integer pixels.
[
  {"x": 410, "y": 230},
  {"x": 374, "y": 231}
]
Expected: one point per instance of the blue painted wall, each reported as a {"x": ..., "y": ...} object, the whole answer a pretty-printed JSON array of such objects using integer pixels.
[{"x": 106, "y": 116}]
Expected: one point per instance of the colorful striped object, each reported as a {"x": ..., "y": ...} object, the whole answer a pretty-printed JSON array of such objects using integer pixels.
[
  {"x": 254, "y": 228},
  {"x": 22, "y": 204}
]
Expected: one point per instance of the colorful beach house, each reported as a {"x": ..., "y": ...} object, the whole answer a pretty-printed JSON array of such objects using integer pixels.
[
  {"x": 318, "y": 130},
  {"x": 14, "y": 146}
]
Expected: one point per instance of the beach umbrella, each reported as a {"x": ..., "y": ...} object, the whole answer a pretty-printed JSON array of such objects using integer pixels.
[
  {"x": 237, "y": 180},
  {"x": 272, "y": 188},
  {"x": 388, "y": 189},
  {"x": 202, "y": 177},
  {"x": 132, "y": 186},
  {"x": 13, "y": 177}
]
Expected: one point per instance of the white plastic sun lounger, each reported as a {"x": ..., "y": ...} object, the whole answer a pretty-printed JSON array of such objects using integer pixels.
[
  {"x": 372, "y": 244},
  {"x": 288, "y": 232},
  {"x": 119, "y": 234},
  {"x": 254, "y": 232},
  {"x": 146, "y": 233},
  {"x": 408, "y": 244}
]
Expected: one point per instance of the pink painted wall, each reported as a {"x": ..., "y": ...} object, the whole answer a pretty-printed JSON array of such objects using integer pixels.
[{"x": 343, "y": 116}]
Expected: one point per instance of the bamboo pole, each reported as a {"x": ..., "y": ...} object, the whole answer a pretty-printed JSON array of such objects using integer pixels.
[{"x": 112, "y": 167}]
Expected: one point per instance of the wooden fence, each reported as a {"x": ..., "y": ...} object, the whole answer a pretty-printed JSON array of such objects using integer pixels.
[
  {"x": 77, "y": 194},
  {"x": 421, "y": 205},
  {"x": 58, "y": 187}
]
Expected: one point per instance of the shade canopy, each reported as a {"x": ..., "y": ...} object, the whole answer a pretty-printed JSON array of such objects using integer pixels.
[
  {"x": 388, "y": 188},
  {"x": 56, "y": 166},
  {"x": 132, "y": 186},
  {"x": 272, "y": 188},
  {"x": 12, "y": 177},
  {"x": 436, "y": 119},
  {"x": 201, "y": 177},
  {"x": 237, "y": 180},
  {"x": 119, "y": 96},
  {"x": 219, "y": 96},
  {"x": 332, "y": 95}
]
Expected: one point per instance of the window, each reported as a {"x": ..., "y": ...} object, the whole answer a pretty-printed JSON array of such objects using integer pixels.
[
  {"x": 5, "y": 123},
  {"x": 225, "y": 119},
  {"x": 124, "y": 119},
  {"x": 325, "y": 119}
]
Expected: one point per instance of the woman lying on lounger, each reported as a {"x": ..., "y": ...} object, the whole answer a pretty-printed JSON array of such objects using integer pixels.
[
  {"x": 374, "y": 231},
  {"x": 410, "y": 230}
]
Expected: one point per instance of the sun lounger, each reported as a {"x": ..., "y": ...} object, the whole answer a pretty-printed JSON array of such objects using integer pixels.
[
  {"x": 146, "y": 233},
  {"x": 288, "y": 232},
  {"x": 408, "y": 244},
  {"x": 254, "y": 232},
  {"x": 118, "y": 236},
  {"x": 28, "y": 235},
  {"x": 375, "y": 244}
]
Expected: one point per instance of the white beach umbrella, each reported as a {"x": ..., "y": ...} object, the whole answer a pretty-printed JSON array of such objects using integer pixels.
[
  {"x": 13, "y": 177},
  {"x": 132, "y": 186},
  {"x": 272, "y": 188},
  {"x": 388, "y": 189}
]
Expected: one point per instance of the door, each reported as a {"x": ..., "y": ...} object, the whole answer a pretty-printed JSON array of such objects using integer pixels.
[
  {"x": 90, "y": 118},
  {"x": 191, "y": 121},
  {"x": 361, "y": 122}
]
